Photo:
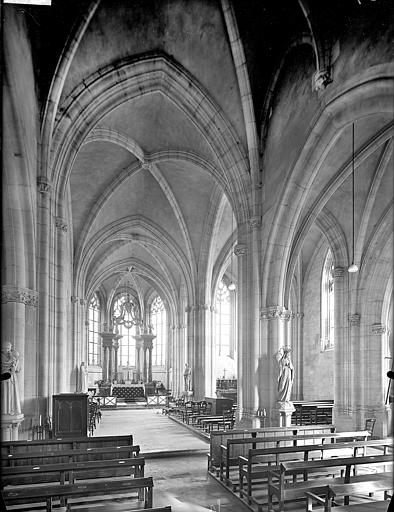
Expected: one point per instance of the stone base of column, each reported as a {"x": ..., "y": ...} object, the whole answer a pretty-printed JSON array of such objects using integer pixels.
[
  {"x": 187, "y": 393},
  {"x": 247, "y": 419},
  {"x": 285, "y": 410},
  {"x": 10, "y": 426}
]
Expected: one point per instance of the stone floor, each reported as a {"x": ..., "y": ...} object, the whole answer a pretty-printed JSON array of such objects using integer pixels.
[
  {"x": 177, "y": 461},
  {"x": 175, "y": 458}
]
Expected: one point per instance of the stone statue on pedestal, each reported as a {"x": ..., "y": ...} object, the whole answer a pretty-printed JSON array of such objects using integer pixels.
[
  {"x": 83, "y": 378},
  {"x": 286, "y": 374},
  {"x": 187, "y": 372},
  {"x": 10, "y": 398}
]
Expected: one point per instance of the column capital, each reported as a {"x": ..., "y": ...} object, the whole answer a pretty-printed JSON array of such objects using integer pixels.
[
  {"x": 240, "y": 250},
  {"x": 354, "y": 319},
  {"x": 10, "y": 293},
  {"x": 321, "y": 79},
  {"x": 275, "y": 312},
  {"x": 337, "y": 272},
  {"x": 43, "y": 184},
  {"x": 61, "y": 224},
  {"x": 378, "y": 329},
  {"x": 74, "y": 299}
]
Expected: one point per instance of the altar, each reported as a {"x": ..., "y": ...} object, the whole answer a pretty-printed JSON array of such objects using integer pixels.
[{"x": 129, "y": 392}]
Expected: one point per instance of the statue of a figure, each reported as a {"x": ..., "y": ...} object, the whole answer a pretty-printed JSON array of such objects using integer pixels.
[
  {"x": 187, "y": 372},
  {"x": 10, "y": 398},
  {"x": 286, "y": 374},
  {"x": 83, "y": 378}
]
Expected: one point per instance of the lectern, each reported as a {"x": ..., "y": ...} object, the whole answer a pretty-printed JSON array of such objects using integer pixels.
[{"x": 70, "y": 415}]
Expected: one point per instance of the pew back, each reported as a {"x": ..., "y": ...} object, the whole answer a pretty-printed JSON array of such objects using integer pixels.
[{"x": 220, "y": 437}]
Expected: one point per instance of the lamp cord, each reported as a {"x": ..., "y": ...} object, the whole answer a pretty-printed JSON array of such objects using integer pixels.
[{"x": 353, "y": 189}]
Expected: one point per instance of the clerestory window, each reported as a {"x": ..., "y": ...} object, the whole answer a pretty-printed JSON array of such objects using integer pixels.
[
  {"x": 327, "y": 304},
  {"x": 158, "y": 320},
  {"x": 93, "y": 331}
]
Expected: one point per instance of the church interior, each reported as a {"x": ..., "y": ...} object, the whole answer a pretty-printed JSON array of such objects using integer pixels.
[{"x": 197, "y": 247}]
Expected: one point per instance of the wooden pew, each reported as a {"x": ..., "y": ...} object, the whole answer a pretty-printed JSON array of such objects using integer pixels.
[
  {"x": 14, "y": 447},
  {"x": 325, "y": 495},
  {"x": 219, "y": 437},
  {"x": 64, "y": 456},
  {"x": 260, "y": 462},
  {"x": 89, "y": 491},
  {"x": 108, "y": 508},
  {"x": 284, "y": 491},
  {"x": 71, "y": 471},
  {"x": 239, "y": 447}
]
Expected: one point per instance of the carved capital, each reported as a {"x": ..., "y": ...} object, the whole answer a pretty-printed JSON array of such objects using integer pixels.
[
  {"x": 275, "y": 313},
  {"x": 321, "y": 79},
  {"x": 82, "y": 302},
  {"x": 338, "y": 272},
  {"x": 299, "y": 315},
  {"x": 255, "y": 222},
  {"x": 43, "y": 184},
  {"x": 10, "y": 293},
  {"x": 240, "y": 250},
  {"x": 74, "y": 299},
  {"x": 378, "y": 329},
  {"x": 354, "y": 319},
  {"x": 61, "y": 225}
]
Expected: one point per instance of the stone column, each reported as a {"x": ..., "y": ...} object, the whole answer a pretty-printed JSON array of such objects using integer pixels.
[
  {"x": 44, "y": 321},
  {"x": 61, "y": 359},
  {"x": 144, "y": 347},
  {"x": 110, "y": 346},
  {"x": 274, "y": 329},
  {"x": 342, "y": 416}
]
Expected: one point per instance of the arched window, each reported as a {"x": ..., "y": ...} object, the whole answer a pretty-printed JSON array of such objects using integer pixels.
[
  {"x": 327, "y": 304},
  {"x": 94, "y": 329},
  {"x": 158, "y": 320},
  {"x": 223, "y": 320},
  {"x": 126, "y": 314}
]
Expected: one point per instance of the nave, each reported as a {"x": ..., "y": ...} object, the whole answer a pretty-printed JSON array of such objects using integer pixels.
[{"x": 174, "y": 459}]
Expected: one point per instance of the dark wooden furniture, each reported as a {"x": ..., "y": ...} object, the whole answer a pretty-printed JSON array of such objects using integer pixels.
[
  {"x": 72, "y": 471},
  {"x": 219, "y": 437},
  {"x": 70, "y": 415},
  {"x": 72, "y": 455},
  {"x": 376, "y": 482},
  {"x": 219, "y": 405},
  {"x": 254, "y": 469},
  {"x": 279, "y": 487},
  {"x": 89, "y": 491}
]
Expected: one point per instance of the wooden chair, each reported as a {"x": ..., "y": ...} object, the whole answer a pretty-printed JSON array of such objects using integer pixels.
[{"x": 370, "y": 425}]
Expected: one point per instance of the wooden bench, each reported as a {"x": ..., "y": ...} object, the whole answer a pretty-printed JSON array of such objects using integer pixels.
[
  {"x": 219, "y": 437},
  {"x": 236, "y": 447},
  {"x": 8, "y": 447},
  {"x": 89, "y": 491},
  {"x": 63, "y": 456},
  {"x": 108, "y": 508},
  {"x": 256, "y": 467},
  {"x": 71, "y": 471},
  {"x": 327, "y": 494},
  {"x": 285, "y": 491}
]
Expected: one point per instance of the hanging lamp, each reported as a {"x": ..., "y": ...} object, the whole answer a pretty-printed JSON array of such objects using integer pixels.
[
  {"x": 231, "y": 287},
  {"x": 353, "y": 267}
]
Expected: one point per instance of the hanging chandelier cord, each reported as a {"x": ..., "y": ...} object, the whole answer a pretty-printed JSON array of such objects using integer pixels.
[{"x": 353, "y": 185}]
